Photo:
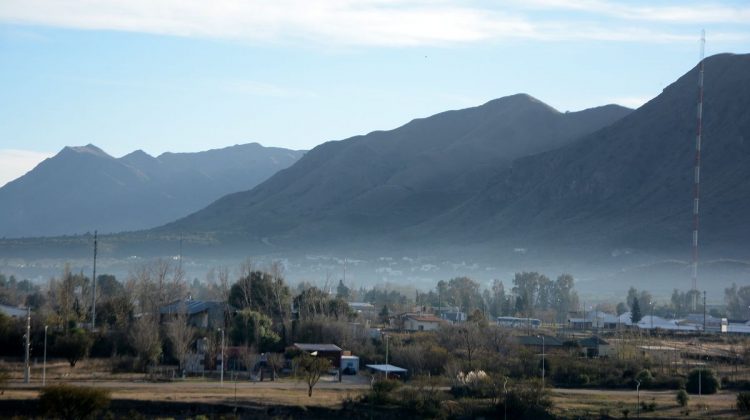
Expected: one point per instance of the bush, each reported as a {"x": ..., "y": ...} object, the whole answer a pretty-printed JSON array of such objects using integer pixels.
[
  {"x": 526, "y": 400},
  {"x": 381, "y": 390},
  {"x": 743, "y": 402},
  {"x": 72, "y": 402},
  {"x": 709, "y": 384},
  {"x": 682, "y": 398},
  {"x": 647, "y": 380},
  {"x": 73, "y": 346}
]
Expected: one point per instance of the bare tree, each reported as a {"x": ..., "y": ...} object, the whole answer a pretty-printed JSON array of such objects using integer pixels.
[
  {"x": 144, "y": 336},
  {"x": 311, "y": 368},
  {"x": 180, "y": 333},
  {"x": 275, "y": 362}
]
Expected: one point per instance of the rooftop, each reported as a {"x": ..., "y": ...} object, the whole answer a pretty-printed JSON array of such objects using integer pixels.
[
  {"x": 387, "y": 368},
  {"x": 189, "y": 307},
  {"x": 317, "y": 347}
]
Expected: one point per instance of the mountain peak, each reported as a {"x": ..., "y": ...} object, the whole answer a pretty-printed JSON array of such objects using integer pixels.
[{"x": 87, "y": 149}]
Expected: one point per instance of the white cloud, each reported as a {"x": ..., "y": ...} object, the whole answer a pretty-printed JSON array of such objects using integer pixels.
[
  {"x": 687, "y": 12},
  {"x": 364, "y": 22},
  {"x": 15, "y": 163}
]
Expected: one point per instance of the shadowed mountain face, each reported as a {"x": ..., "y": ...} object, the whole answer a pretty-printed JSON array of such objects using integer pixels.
[
  {"x": 386, "y": 181},
  {"x": 629, "y": 184},
  {"x": 82, "y": 188}
]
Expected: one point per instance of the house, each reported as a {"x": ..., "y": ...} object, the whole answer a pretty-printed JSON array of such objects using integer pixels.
[
  {"x": 539, "y": 341},
  {"x": 200, "y": 314},
  {"x": 331, "y": 352},
  {"x": 593, "y": 319},
  {"x": 13, "y": 311},
  {"x": 454, "y": 317},
  {"x": 421, "y": 322},
  {"x": 595, "y": 347},
  {"x": 363, "y": 308}
]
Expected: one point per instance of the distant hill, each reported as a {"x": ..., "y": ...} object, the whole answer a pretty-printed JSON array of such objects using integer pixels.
[
  {"x": 82, "y": 189},
  {"x": 629, "y": 184},
  {"x": 386, "y": 181}
]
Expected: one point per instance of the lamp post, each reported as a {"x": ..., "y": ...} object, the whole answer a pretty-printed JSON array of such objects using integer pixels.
[
  {"x": 386, "y": 356},
  {"x": 222, "y": 357},
  {"x": 542, "y": 337},
  {"x": 638, "y": 394},
  {"x": 44, "y": 364}
]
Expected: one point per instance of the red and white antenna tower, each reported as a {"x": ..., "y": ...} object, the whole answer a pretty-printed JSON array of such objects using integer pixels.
[{"x": 696, "y": 185}]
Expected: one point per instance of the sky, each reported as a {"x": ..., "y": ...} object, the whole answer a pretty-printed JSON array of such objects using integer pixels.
[{"x": 191, "y": 75}]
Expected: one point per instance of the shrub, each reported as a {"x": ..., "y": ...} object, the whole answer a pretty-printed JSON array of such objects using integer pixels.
[
  {"x": 73, "y": 402},
  {"x": 647, "y": 380},
  {"x": 526, "y": 400},
  {"x": 381, "y": 390},
  {"x": 682, "y": 398},
  {"x": 709, "y": 384},
  {"x": 73, "y": 346},
  {"x": 743, "y": 402}
]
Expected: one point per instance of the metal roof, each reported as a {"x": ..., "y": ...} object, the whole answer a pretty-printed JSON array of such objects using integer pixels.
[
  {"x": 533, "y": 340},
  {"x": 387, "y": 368},
  {"x": 317, "y": 347},
  {"x": 13, "y": 311},
  {"x": 189, "y": 307}
]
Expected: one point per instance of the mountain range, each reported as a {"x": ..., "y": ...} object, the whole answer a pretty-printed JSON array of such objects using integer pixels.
[
  {"x": 516, "y": 170},
  {"x": 82, "y": 189},
  {"x": 386, "y": 181}
]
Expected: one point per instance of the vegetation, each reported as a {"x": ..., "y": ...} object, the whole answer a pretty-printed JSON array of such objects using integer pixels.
[
  {"x": 73, "y": 346},
  {"x": 709, "y": 383},
  {"x": 311, "y": 368},
  {"x": 743, "y": 402},
  {"x": 73, "y": 402},
  {"x": 682, "y": 398}
]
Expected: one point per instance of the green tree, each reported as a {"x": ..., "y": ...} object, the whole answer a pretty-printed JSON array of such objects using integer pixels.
[
  {"x": 384, "y": 315},
  {"x": 252, "y": 328},
  {"x": 709, "y": 384},
  {"x": 635, "y": 312},
  {"x": 261, "y": 292},
  {"x": 682, "y": 398},
  {"x": 342, "y": 291},
  {"x": 73, "y": 346}
]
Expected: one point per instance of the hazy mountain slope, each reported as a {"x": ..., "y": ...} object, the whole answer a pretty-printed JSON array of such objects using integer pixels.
[
  {"x": 82, "y": 188},
  {"x": 629, "y": 184},
  {"x": 387, "y": 180}
]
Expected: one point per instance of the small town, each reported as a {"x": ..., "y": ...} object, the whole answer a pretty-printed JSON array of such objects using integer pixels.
[{"x": 254, "y": 346}]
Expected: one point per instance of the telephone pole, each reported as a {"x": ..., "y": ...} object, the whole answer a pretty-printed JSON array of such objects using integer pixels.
[
  {"x": 93, "y": 299},
  {"x": 27, "y": 366}
]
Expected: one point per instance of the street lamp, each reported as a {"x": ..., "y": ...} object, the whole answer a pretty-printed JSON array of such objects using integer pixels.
[
  {"x": 638, "y": 393},
  {"x": 386, "y": 356},
  {"x": 44, "y": 365},
  {"x": 222, "y": 356},
  {"x": 542, "y": 337}
]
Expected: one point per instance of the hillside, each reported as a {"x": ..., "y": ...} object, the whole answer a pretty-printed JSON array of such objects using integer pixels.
[
  {"x": 82, "y": 189},
  {"x": 629, "y": 184},
  {"x": 385, "y": 181}
]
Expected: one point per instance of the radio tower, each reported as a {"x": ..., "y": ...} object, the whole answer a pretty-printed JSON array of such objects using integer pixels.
[{"x": 696, "y": 185}]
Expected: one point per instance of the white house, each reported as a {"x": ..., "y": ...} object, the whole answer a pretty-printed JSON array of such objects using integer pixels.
[{"x": 420, "y": 322}]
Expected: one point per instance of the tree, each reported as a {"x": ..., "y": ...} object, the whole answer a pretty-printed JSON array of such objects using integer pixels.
[
  {"x": 251, "y": 328},
  {"x": 384, "y": 315},
  {"x": 682, "y": 398},
  {"x": 73, "y": 346},
  {"x": 342, "y": 291},
  {"x": 73, "y": 402},
  {"x": 180, "y": 333},
  {"x": 635, "y": 312},
  {"x": 275, "y": 362},
  {"x": 262, "y": 292},
  {"x": 709, "y": 384},
  {"x": 311, "y": 368},
  {"x": 144, "y": 336}
]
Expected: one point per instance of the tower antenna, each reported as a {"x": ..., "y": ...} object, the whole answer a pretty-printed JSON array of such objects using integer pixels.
[{"x": 697, "y": 170}]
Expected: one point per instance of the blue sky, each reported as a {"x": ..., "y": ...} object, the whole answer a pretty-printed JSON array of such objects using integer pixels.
[{"x": 189, "y": 75}]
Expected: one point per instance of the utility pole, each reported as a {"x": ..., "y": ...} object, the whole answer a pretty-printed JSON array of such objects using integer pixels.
[
  {"x": 93, "y": 279},
  {"x": 44, "y": 365},
  {"x": 697, "y": 167},
  {"x": 222, "y": 356},
  {"x": 27, "y": 367},
  {"x": 704, "y": 311}
]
